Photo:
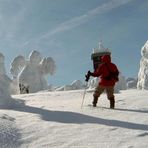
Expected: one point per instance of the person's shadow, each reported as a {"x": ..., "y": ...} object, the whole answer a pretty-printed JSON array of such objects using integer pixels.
[
  {"x": 129, "y": 110},
  {"x": 76, "y": 118}
]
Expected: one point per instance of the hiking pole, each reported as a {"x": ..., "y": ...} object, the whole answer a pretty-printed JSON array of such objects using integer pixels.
[
  {"x": 84, "y": 95},
  {"x": 87, "y": 79}
]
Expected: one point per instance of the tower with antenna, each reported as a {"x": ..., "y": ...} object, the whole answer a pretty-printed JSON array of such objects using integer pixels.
[{"x": 97, "y": 53}]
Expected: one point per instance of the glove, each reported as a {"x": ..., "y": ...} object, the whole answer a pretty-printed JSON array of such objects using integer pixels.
[
  {"x": 87, "y": 76},
  {"x": 89, "y": 73}
]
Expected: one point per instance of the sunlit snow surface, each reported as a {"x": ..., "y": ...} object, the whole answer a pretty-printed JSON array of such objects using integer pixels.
[{"x": 56, "y": 120}]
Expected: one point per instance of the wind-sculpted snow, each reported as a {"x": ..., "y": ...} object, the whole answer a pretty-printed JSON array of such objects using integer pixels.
[
  {"x": 143, "y": 71},
  {"x": 31, "y": 74}
]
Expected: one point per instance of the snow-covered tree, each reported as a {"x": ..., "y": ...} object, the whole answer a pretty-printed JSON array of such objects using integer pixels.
[
  {"x": 48, "y": 66},
  {"x": 17, "y": 66},
  {"x": 33, "y": 76},
  {"x": 143, "y": 71},
  {"x": 5, "y": 82}
]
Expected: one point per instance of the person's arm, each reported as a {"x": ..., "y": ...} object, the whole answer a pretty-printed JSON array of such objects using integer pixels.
[{"x": 96, "y": 73}]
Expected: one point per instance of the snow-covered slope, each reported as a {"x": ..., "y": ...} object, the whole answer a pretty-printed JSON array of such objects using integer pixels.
[{"x": 55, "y": 120}]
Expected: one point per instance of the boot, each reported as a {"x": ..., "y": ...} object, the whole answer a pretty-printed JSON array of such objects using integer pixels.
[
  {"x": 95, "y": 101},
  {"x": 112, "y": 102}
]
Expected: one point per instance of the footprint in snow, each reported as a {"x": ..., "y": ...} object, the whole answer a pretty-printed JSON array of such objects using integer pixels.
[
  {"x": 113, "y": 129},
  {"x": 119, "y": 101},
  {"x": 6, "y": 117},
  {"x": 143, "y": 134}
]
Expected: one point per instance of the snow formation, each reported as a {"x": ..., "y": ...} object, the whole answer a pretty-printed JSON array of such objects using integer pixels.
[
  {"x": 100, "y": 48},
  {"x": 16, "y": 67},
  {"x": 31, "y": 75},
  {"x": 5, "y": 82},
  {"x": 143, "y": 71}
]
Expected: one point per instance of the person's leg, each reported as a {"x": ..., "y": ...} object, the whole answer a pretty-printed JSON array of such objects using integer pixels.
[
  {"x": 98, "y": 91},
  {"x": 110, "y": 96}
]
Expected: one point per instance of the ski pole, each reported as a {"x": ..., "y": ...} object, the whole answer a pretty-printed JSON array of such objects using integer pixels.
[
  {"x": 86, "y": 80},
  {"x": 83, "y": 96}
]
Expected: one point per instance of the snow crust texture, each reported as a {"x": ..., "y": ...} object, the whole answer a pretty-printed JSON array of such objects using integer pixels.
[{"x": 9, "y": 134}]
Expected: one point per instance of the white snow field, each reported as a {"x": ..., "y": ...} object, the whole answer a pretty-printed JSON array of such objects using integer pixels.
[{"x": 56, "y": 120}]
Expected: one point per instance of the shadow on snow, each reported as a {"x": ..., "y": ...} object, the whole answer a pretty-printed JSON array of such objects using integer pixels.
[
  {"x": 77, "y": 118},
  {"x": 127, "y": 110}
]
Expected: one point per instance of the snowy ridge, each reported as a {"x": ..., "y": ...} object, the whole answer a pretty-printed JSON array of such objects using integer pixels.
[{"x": 55, "y": 120}]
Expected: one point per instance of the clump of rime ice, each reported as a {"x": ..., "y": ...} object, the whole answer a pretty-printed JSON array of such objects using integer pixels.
[
  {"x": 5, "y": 98},
  {"x": 100, "y": 48},
  {"x": 31, "y": 74},
  {"x": 4, "y": 79},
  {"x": 16, "y": 67},
  {"x": 143, "y": 71}
]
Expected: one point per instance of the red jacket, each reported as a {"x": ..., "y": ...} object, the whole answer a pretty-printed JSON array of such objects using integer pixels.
[{"x": 103, "y": 71}]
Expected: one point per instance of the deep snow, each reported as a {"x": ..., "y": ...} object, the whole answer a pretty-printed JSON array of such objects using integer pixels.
[{"x": 56, "y": 120}]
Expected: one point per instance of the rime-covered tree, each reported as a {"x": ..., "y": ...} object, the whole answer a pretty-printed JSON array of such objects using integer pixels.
[
  {"x": 5, "y": 82},
  {"x": 31, "y": 74},
  {"x": 17, "y": 65},
  {"x": 143, "y": 71}
]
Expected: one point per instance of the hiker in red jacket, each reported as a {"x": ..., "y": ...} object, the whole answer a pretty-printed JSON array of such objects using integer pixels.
[{"x": 108, "y": 73}]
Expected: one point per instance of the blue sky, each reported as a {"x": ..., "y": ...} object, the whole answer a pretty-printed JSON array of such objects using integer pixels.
[{"x": 67, "y": 30}]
